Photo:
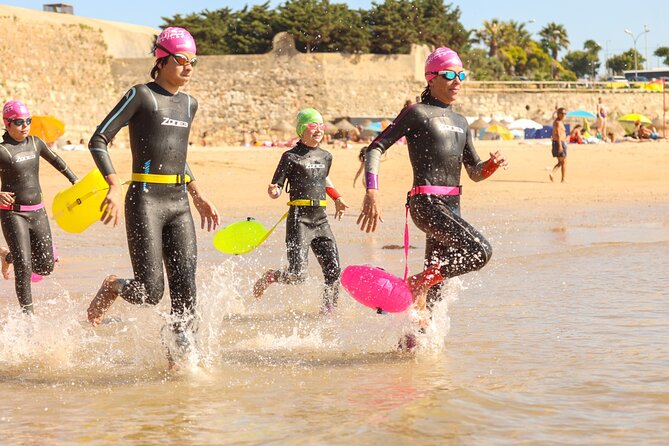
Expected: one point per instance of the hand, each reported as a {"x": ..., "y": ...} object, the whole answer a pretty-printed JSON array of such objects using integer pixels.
[
  {"x": 208, "y": 212},
  {"x": 370, "y": 215},
  {"x": 273, "y": 190},
  {"x": 7, "y": 198},
  {"x": 111, "y": 205},
  {"x": 340, "y": 208},
  {"x": 499, "y": 159}
]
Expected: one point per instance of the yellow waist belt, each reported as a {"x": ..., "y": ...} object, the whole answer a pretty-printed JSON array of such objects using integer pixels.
[
  {"x": 159, "y": 178},
  {"x": 305, "y": 202}
]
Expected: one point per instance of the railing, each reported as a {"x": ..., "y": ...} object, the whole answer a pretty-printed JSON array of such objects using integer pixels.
[{"x": 547, "y": 86}]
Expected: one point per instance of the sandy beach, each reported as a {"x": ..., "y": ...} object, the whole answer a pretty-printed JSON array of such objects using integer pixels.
[{"x": 235, "y": 178}]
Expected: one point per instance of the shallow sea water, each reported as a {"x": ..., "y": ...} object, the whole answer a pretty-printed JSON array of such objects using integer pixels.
[{"x": 561, "y": 339}]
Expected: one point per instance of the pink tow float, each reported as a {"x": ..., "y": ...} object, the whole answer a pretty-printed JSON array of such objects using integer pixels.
[{"x": 377, "y": 289}]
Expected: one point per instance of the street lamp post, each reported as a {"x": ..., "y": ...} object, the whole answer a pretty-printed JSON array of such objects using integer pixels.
[{"x": 627, "y": 31}]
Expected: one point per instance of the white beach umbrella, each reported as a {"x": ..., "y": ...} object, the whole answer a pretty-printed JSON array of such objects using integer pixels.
[{"x": 524, "y": 123}]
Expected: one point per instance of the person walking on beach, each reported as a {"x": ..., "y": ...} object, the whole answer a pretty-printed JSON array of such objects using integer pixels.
[
  {"x": 24, "y": 221},
  {"x": 601, "y": 118},
  {"x": 306, "y": 167},
  {"x": 159, "y": 223},
  {"x": 440, "y": 144},
  {"x": 559, "y": 144}
]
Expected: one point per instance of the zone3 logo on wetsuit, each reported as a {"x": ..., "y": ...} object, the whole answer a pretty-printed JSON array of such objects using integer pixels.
[{"x": 173, "y": 122}]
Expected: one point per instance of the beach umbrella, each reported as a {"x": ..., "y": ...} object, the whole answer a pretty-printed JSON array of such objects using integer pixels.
[
  {"x": 48, "y": 127},
  {"x": 375, "y": 127},
  {"x": 634, "y": 117},
  {"x": 493, "y": 130},
  {"x": 524, "y": 123},
  {"x": 496, "y": 122},
  {"x": 580, "y": 114},
  {"x": 655, "y": 85},
  {"x": 344, "y": 124},
  {"x": 478, "y": 124},
  {"x": 282, "y": 126}
]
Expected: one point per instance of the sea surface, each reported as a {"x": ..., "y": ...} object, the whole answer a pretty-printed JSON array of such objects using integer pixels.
[{"x": 562, "y": 339}]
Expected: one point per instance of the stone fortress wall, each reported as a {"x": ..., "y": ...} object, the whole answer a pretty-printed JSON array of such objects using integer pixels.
[{"x": 77, "y": 69}]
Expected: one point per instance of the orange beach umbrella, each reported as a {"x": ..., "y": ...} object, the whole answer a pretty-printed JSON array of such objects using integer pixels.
[{"x": 48, "y": 127}]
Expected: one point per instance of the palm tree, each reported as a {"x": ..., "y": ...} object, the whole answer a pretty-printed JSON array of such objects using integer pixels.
[
  {"x": 553, "y": 39},
  {"x": 490, "y": 35}
]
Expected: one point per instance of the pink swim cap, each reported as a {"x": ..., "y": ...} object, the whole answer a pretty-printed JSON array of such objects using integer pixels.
[
  {"x": 175, "y": 40},
  {"x": 439, "y": 60},
  {"x": 14, "y": 109}
]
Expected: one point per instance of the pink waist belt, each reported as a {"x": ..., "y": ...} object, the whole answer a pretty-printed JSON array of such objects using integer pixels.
[
  {"x": 435, "y": 190},
  {"x": 21, "y": 207}
]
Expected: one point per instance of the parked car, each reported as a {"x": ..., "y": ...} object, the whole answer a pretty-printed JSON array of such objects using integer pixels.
[{"x": 617, "y": 82}]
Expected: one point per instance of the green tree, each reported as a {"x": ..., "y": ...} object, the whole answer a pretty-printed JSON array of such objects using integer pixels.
[
  {"x": 392, "y": 25},
  {"x": 624, "y": 61},
  {"x": 514, "y": 59},
  {"x": 539, "y": 63},
  {"x": 438, "y": 25},
  {"x": 491, "y": 35},
  {"x": 663, "y": 51},
  {"x": 211, "y": 29},
  {"x": 307, "y": 22},
  {"x": 348, "y": 32},
  {"x": 483, "y": 67},
  {"x": 251, "y": 30},
  {"x": 553, "y": 39}
]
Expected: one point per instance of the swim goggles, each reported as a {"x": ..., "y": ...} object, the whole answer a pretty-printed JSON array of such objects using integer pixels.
[
  {"x": 449, "y": 75},
  {"x": 315, "y": 126},
  {"x": 180, "y": 59},
  {"x": 19, "y": 122}
]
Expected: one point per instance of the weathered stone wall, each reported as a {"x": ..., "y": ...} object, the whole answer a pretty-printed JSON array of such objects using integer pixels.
[
  {"x": 56, "y": 69},
  {"x": 256, "y": 92}
]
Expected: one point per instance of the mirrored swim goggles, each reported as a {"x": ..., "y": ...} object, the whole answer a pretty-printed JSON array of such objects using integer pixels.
[
  {"x": 180, "y": 59},
  {"x": 315, "y": 126},
  {"x": 449, "y": 75},
  {"x": 19, "y": 122}
]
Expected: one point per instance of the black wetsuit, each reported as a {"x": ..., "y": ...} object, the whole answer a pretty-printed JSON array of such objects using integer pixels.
[
  {"x": 27, "y": 233},
  {"x": 306, "y": 170},
  {"x": 159, "y": 224},
  {"x": 439, "y": 144}
]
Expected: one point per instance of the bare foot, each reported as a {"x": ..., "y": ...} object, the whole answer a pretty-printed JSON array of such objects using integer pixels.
[
  {"x": 263, "y": 283},
  {"x": 5, "y": 265},
  {"x": 420, "y": 284},
  {"x": 102, "y": 301},
  {"x": 550, "y": 175}
]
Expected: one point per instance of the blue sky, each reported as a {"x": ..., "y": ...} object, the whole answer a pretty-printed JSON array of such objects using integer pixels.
[{"x": 603, "y": 21}]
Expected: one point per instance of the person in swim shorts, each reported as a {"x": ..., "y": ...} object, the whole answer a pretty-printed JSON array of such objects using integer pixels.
[
  {"x": 159, "y": 224},
  {"x": 25, "y": 223},
  {"x": 559, "y": 144},
  {"x": 439, "y": 144},
  {"x": 306, "y": 167},
  {"x": 601, "y": 118}
]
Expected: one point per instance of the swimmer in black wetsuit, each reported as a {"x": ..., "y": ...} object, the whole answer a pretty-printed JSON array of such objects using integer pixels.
[
  {"x": 159, "y": 224},
  {"x": 306, "y": 167},
  {"x": 439, "y": 143},
  {"x": 25, "y": 224}
]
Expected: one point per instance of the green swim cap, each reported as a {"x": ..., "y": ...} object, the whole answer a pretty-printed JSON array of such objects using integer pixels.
[{"x": 304, "y": 117}]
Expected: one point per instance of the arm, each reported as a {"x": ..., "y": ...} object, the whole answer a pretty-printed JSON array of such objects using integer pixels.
[
  {"x": 340, "y": 204},
  {"x": 105, "y": 132},
  {"x": 370, "y": 215},
  {"x": 208, "y": 212},
  {"x": 56, "y": 161},
  {"x": 110, "y": 126},
  {"x": 480, "y": 170},
  {"x": 279, "y": 178}
]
